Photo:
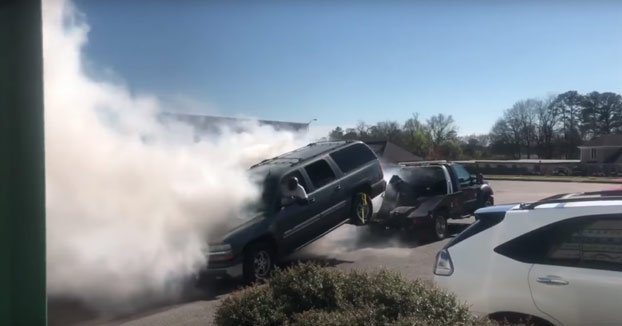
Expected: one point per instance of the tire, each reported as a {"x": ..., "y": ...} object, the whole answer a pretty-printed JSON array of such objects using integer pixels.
[
  {"x": 488, "y": 201},
  {"x": 259, "y": 260},
  {"x": 439, "y": 228},
  {"x": 362, "y": 209}
]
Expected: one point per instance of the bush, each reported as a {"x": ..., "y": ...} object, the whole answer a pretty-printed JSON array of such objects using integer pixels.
[
  {"x": 253, "y": 306},
  {"x": 307, "y": 294}
]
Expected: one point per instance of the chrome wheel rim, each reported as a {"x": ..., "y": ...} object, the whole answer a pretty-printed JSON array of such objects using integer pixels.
[{"x": 262, "y": 263}]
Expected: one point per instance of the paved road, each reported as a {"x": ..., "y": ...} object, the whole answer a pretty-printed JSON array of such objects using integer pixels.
[{"x": 348, "y": 247}]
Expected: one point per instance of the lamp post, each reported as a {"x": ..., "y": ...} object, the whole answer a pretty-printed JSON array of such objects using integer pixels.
[{"x": 309, "y": 123}]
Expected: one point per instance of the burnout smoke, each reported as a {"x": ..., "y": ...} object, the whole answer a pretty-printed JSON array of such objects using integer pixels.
[{"x": 130, "y": 201}]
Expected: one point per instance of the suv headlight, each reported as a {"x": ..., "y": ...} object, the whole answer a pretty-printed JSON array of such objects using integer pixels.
[
  {"x": 219, "y": 249},
  {"x": 443, "y": 266}
]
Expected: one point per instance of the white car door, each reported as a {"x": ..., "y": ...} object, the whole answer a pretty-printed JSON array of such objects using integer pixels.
[{"x": 580, "y": 281}]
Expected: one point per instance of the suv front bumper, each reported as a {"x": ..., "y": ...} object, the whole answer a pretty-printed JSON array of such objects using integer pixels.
[{"x": 232, "y": 269}]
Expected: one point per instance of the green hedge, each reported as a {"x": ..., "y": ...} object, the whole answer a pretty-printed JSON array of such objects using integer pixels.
[{"x": 307, "y": 294}]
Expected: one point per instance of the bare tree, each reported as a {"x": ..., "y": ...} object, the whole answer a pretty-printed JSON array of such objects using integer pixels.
[
  {"x": 386, "y": 130},
  {"x": 570, "y": 107},
  {"x": 362, "y": 129},
  {"x": 514, "y": 129},
  {"x": 442, "y": 128},
  {"x": 502, "y": 139},
  {"x": 547, "y": 121}
]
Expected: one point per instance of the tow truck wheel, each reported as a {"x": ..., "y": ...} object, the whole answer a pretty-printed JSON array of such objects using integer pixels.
[
  {"x": 259, "y": 262},
  {"x": 440, "y": 227},
  {"x": 361, "y": 209},
  {"x": 488, "y": 201}
]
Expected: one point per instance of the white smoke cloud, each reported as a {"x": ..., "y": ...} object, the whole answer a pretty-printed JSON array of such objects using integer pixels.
[{"x": 125, "y": 217}]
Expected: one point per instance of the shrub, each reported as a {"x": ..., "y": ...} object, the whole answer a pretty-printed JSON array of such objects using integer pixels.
[
  {"x": 306, "y": 286},
  {"x": 355, "y": 317},
  {"x": 252, "y": 306},
  {"x": 307, "y": 294}
]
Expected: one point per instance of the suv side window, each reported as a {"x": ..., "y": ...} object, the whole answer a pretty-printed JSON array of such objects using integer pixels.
[
  {"x": 352, "y": 157},
  {"x": 562, "y": 244},
  {"x": 586, "y": 242},
  {"x": 463, "y": 175},
  {"x": 298, "y": 175},
  {"x": 320, "y": 173},
  {"x": 602, "y": 244},
  {"x": 550, "y": 245}
]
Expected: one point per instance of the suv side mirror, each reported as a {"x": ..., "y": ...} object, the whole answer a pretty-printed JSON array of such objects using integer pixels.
[{"x": 474, "y": 179}]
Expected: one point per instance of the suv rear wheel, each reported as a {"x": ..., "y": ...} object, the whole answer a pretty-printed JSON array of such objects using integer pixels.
[
  {"x": 259, "y": 259},
  {"x": 362, "y": 209}
]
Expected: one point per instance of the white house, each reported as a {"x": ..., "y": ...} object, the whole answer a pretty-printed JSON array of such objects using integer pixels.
[{"x": 604, "y": 149}]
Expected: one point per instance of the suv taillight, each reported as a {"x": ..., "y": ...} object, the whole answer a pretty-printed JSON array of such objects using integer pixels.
[{"x": 443, "y": 266}]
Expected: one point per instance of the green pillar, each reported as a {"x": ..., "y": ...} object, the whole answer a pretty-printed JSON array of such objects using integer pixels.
[{"x": 22, "y": 175}]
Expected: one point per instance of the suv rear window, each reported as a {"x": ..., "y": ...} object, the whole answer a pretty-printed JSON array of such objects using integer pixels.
[{"x": 352, "y": 157}]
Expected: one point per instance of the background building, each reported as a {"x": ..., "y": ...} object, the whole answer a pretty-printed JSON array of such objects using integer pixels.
[
  {"x": 604, "y": 149},
  {"x": 206, "y": 124}
]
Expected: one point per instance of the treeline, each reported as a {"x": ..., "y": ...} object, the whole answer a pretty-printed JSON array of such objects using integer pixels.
[
  {"x": 434, "y": 138},
  {"x": 554, "y": 127},
  {"x": 551, "y": 127}
]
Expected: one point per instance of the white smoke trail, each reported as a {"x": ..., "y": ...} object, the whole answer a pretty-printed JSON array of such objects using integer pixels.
[{"x": 126, "y": 217}]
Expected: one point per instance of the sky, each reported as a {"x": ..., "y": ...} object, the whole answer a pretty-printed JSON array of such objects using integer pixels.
[{"x": 341, "y": 62}]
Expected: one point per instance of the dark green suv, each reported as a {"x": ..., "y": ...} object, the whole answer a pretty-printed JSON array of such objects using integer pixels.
[{"x": 339, "y": 178}]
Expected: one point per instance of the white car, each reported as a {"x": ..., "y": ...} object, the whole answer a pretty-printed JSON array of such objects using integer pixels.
[{"x": 557, "y": 261}]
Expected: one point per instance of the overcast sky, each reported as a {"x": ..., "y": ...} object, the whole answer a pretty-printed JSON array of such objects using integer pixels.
[{"x": 350, "y": 61}]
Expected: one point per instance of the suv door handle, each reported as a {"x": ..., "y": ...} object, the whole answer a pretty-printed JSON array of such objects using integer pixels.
[
  {"x": 552, "y": 280},
  {"x": 338, "y": 188}
]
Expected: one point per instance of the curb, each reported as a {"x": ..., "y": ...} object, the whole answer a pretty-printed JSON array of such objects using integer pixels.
[{"x": 553, "y": 180}]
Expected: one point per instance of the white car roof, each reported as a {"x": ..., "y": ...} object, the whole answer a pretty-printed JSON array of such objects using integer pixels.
[
  {"x": 589, "y": 203},
  {"x": 520, "y": 220}
]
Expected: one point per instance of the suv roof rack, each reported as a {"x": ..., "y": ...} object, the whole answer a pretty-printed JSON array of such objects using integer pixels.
[
  {"x": 281, "y": 159},
  {"x": 416, "y": 163},
  {"x": 604, "y": 195}
]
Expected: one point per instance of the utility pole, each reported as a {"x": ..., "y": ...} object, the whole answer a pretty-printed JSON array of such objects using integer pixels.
[
  {"x": 22, "y": 175},
  {"x": 309, "y": 123}
]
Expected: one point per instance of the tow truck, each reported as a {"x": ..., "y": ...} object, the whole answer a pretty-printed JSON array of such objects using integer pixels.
[{"x": 422, "y": 196}]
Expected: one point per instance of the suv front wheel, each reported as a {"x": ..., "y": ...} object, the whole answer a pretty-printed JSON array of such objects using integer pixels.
[{"x": 259, "y": 260}]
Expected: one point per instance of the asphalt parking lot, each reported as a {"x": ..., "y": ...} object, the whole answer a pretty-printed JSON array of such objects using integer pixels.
[{"x": 348, "y": 247}]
